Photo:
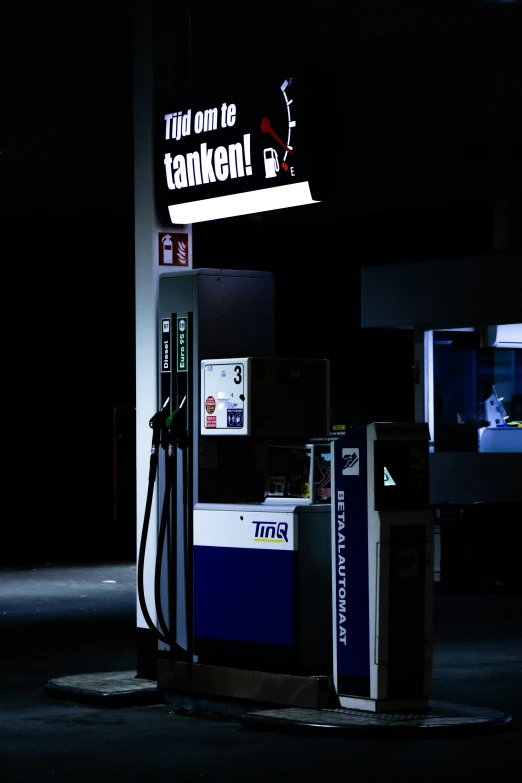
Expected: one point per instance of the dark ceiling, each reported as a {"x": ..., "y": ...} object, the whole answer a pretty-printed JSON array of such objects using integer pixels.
[{"x": 417, "y": 107}]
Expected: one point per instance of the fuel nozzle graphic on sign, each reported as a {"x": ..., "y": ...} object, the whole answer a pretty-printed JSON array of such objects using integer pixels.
[{"x": 271, "y": 160}]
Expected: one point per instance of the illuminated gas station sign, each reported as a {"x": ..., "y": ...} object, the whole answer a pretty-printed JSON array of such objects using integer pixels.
[{"x": 234, "y": 152}]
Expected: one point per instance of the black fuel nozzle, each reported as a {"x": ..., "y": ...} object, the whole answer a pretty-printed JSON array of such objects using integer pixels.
[{"x": 158, "y": 423}]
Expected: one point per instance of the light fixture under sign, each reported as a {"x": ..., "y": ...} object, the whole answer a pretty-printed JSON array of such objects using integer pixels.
[{"x": 251, "y": 202}]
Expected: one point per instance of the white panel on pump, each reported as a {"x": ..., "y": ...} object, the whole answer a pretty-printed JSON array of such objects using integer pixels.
[{"x": 225, "y": 397}]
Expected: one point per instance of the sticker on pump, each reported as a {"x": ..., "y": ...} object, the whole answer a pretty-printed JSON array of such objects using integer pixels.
[
  {"x": 388, "y": 481},
  {"x": 235, "y": 418},
  {"x": 210, "y": 404},
  {"x": 350, "y": 459}
]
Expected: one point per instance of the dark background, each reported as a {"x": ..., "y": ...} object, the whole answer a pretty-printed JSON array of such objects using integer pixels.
[{"x": 421, "y": 126}]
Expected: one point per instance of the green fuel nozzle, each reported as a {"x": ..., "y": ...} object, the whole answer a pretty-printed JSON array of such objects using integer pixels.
[
  {"x": 176, "y": 418},
  {"x": 175, "y": 425}
]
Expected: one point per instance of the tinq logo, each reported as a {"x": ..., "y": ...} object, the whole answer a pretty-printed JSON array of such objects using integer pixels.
[{"x": 275, "y": 534}]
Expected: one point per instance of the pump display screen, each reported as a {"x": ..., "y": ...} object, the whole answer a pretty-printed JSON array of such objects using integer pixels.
[{"x": 401, "y": 475}]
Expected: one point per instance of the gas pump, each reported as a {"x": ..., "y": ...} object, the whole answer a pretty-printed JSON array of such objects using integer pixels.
[
  {"x": 260, "y": 599},
  {"x": 242, "y": 577},
  {"x": 201, "y": 313}
]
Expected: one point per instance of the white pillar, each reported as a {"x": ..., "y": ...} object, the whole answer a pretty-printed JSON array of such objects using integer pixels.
[{"x": 147, "y": 272}]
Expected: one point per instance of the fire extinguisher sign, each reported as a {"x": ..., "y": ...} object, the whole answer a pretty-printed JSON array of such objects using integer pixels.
[{"x": 173, "y": 249}]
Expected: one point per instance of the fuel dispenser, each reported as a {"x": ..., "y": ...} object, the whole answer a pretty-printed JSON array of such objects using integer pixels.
[
  {"x": 242, "y": 575},
  {"x": 201, "y": 312},
  {"x": 382, "y": 565},
  {"x": 260, "y": 593}
]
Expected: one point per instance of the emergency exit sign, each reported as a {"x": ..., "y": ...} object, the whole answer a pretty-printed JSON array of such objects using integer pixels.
[{"x": 182, "y": 344}]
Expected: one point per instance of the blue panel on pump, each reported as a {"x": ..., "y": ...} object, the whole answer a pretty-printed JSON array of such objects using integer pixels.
[
  {"x": 244, "y": 595},
  {"x": 351, "y": 564}
]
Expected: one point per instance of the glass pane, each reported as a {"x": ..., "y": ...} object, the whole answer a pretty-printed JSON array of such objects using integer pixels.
[{"x": 477, "y": 394}]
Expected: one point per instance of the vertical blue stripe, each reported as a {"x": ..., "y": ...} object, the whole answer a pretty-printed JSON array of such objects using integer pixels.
[{"x": 353, "y": 658}]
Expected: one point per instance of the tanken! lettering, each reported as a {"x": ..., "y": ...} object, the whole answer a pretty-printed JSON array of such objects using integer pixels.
[{"x": 208, "y": 165}]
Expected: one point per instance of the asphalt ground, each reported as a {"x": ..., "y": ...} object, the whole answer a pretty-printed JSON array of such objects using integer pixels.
[{"x": 59, "y": 620}]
